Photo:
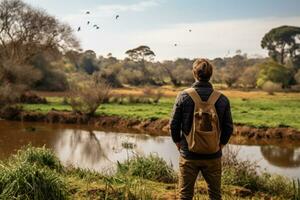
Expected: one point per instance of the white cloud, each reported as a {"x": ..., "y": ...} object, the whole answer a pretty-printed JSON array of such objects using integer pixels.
[
  {"x": 207, "y": 39},
  {"x": 211, "y": 39},
  {"x": 140, "y": 6}
]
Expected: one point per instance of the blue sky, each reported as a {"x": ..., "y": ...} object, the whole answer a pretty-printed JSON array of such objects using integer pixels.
[{"x": 218, "y": 27}]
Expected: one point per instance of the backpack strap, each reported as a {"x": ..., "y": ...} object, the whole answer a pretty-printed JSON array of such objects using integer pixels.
[
  {"x": 195, "y": 96},
  {"x": 214, "y": 96}
]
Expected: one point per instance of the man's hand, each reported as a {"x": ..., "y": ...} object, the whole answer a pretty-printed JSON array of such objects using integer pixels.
[{"x": 178, "y": 146}]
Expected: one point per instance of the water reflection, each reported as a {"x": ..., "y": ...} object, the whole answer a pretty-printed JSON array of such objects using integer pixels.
[
  {"x": 281, "y": 156},
  {"x": 98, "y": 150},
  {"x": 101, "y": 151}
]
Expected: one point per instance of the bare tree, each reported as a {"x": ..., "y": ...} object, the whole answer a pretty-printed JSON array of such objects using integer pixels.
[{"x": 26, "y": 31}]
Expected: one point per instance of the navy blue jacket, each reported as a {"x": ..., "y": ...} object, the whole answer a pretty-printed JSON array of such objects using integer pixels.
[{"x": 182, "y": 119}]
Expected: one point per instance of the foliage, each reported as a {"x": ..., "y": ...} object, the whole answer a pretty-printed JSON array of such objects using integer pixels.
[
  {"x": 296, "y": 189},
  {"x": 34, "y": 31},
  {"x": 30, "y": 175},
  {"x": 248, "y": 77},
  {"x": 42, "y": 157},
  {"x": 272, "y": 71},
  {"x": 250, "y": 108},
  {"x": 271, "y": 87},
  {"x": 86, "y": 98},
  {"x": 140, "y": 53},
  {"x": 282, "y": 43},
  {"x": 150, "y": 167},
  {"x": 297, "y": 77},
  {"x": 245, "y": 174}
]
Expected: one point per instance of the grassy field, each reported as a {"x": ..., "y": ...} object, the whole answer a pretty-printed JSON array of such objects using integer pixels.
[
  {"x": 36, "y": 173},
  {"x": 250, "y": 108}
]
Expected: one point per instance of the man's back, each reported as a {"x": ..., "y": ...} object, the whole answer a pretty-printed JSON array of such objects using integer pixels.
[{"x": 182, "y": 119}]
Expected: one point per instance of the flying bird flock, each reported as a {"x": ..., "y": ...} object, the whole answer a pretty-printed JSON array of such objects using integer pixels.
[{"x": 95, "y": 26}]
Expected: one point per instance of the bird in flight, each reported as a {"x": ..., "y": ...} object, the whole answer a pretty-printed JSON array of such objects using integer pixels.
[
  {"x": 79, "y": 28},
  {"x": 87, "y": 12},
  {"x": 117, "y": 16},
  {"x": 175, "y": 45},
  {"x": 88, "y": 22},
  {"x": 190, "y": 30},
  {"x": 97, "y": 27}
]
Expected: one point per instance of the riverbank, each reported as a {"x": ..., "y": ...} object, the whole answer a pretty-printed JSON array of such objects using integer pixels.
[
  {"x": 37, "y": 172},
  {"x": 242, "y": 133}
]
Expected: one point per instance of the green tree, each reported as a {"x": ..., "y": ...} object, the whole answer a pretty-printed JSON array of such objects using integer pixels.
[
  {"x": 274, "y": 72},
  {"x": 282, "y": 43},
  {"x": 142, "y": 55}
]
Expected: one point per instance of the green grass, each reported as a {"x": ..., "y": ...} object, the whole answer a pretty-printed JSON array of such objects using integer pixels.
[
  {"x": 150, "y": 167},
  {"x": 258, "y": 112},
  {"x": 35, "y": 178}
]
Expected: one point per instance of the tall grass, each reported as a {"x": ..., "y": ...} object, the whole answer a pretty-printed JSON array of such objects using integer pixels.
[
  {"x": 150, "y": 167},
  {"x": 27, "y": 181},
  {"x": 246, "y": 174},
  {"x": 42, "y": 157},
  {"x": 296, "y": 189}
]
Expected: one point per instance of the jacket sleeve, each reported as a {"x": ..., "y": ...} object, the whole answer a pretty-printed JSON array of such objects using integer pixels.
[
  {"x": 227, "y": 125},
  {"x": 176, "y": 119}
]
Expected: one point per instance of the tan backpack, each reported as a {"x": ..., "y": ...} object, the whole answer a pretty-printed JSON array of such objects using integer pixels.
[{"x": 204, "y": 137}]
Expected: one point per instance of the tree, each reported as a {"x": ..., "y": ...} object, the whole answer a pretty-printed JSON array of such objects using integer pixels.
[
  {"x": 26, "y": 32},
  {"x": 274, "y": 72},
  {"x": 282, "y": 43},
  {"x": 249, "y": 77},
  {"x": 297, "y": 77},
  {"x": 89, "y": 62},
  {"x": 141, "y": 55}
]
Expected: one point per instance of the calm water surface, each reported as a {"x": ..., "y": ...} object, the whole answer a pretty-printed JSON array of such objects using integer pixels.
[{"x": 98, "y": 150}]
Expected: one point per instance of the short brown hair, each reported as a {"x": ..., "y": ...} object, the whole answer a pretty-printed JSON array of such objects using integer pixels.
[{"x": 202, "y": 69}]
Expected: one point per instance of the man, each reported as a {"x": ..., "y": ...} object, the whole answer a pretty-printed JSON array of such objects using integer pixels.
[{"x": 195, "y": 155}]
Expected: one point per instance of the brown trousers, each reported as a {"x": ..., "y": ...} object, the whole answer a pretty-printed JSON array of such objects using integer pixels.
[{"x": 188, "y": 171}]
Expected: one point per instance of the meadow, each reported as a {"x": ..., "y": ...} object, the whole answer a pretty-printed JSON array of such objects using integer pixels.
[{"x": 252, "y": 108}]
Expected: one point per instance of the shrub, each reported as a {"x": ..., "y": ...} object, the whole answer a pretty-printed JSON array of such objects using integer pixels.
[
  {"x": 42, "y": 157},
  {"x": 10, "y": 94},
  {"x": 271, "y": 87},
  {"x": 274, "y": 72},
  {"x": 27, "y": 181},
  {"x": 88, "y": 97},
  {"x": 246, "y": 174},
  {"x": 150, "y": 167},
  {"x": 32, "y": 98}
]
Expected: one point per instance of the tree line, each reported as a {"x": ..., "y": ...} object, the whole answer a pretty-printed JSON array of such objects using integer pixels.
[{"x": 38, "y": 52}]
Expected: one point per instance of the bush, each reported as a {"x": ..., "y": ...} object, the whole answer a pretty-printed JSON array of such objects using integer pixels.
[
  {"x": 246, "y": 174},
  {"x": 39, "y": 156},
  {"x": 32, "y": 174},
  {"x": 274, "y": 72},
  {"x": 27, "y": 181},
  {"x": 88, "y": 97},
  {"x": 10, "y": 94},
  {"x": 53, "y": 80},
  {"x": 151, "y": 167},
  {"x": 32, "y": 98},
  {"x": 271, "y": 87}
]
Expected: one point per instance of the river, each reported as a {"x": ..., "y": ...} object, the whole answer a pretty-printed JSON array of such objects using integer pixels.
[{"x": 84, "y": 147}]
